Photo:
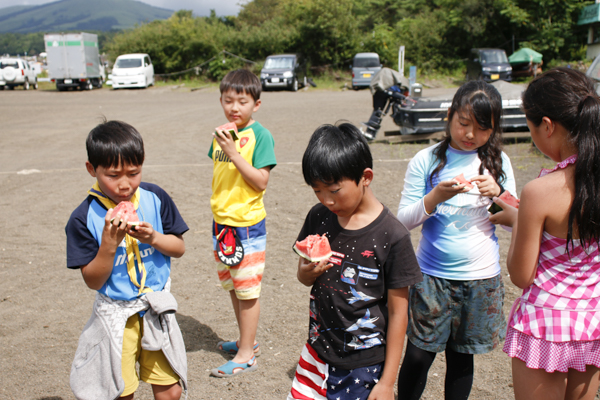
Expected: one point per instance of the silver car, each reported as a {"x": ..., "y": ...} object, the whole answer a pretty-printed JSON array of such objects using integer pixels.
[
  {"x": 16, "y": 72},
  {"x": 364, "y": 67}
]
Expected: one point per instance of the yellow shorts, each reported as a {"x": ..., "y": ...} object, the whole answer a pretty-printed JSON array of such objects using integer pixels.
[{"x": 154, "y": 367}]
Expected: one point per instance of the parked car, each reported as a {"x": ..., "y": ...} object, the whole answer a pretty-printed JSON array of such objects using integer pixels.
[
  {"x": 132, "y": 70},
  {"x": 17, "y": 72},
  {"x": 364, "y": 67},
  {"x": 488, "y": 65},
  {"x": 287, "y": 71}
]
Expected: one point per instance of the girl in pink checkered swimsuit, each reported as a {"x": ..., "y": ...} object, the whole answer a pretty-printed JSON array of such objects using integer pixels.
[{"x": 554, "y": 328}]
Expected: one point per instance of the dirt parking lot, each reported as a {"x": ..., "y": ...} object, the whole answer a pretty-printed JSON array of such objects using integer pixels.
[{"x": 44, "y": 306}]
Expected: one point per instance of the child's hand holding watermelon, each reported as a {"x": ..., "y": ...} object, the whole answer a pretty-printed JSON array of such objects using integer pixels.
[
  {"x": 508, "y": 213},
  {"x": 308, "y": 272}
]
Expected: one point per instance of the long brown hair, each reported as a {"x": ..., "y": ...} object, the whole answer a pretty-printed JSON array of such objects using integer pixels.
[
  {"x": 568, "y": 97},
  {"x": 484, "y": 103}
]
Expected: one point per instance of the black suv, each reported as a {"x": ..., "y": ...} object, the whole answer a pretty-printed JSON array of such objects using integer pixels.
[
  {"x": 488, "y": 65},
  {"x": 287, "y": 71}
]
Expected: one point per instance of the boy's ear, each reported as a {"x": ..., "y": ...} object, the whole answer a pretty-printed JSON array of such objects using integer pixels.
[
  {"x": 90, "y": 169},
  {"x": 257, "y": 104},
  {"x": 367, "y": 176}
]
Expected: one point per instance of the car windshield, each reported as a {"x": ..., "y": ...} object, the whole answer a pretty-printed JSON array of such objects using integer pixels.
[
  {"x": 493, "y": 57},
  {"x": 279, "y": 63},
  {"x": 129, "y": 63},
  {"x": 366, "y": 62},
  {"x": 4, "y": 64}
]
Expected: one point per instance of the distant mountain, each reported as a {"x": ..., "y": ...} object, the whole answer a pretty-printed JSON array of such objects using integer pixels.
[
  {"x": 79, "y": 15},
  {"x": 9, "y": 10}
]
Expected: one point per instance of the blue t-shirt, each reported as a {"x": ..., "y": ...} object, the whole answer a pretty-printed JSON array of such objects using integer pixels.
[
  {"x": 84, "y": 236},
  {"x": 458, "y": 240}
]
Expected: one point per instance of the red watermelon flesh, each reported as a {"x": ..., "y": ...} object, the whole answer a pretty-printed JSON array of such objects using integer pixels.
[
  {"x": 127, "y": 209},
  {"x": 461, "y": 179},
  {"x": 314, "y": 248},
  {"x": 508, "y": 199},
  {"x": 230, "y": 127}
]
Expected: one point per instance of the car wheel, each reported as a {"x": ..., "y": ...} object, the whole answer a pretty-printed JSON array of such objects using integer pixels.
[
  {"x": 146, "y": 83},
  {"x": 10, "y": 87},
  {"x": 35, "y": 85},
  {"x": 26, "y": 85},
  {"x": 2, "y": 87},
  {"x": 294, "y": 85},
  {"x": 89, "y": 85}
]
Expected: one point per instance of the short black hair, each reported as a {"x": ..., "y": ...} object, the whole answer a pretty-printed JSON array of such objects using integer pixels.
[
  {"x": 114, "y": 143},
  {"x": 334, "y": 153},
  {"x": 241, "y": 80}
]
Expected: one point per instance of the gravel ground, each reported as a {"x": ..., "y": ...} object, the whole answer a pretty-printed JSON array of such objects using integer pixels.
[{"x": 44, "y": 306}]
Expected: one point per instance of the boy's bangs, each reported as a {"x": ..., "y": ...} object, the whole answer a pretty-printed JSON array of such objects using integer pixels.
[
  {"x": 114, "y": 156},
  {"x": 324, "y": 168}
]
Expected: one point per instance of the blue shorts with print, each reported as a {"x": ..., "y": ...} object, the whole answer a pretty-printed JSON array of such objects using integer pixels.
[
  {"x": 352, "y": 383},
  {"x": 466, "y": 316}
]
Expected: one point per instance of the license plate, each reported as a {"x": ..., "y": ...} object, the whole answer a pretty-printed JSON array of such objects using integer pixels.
[
  {"x": 68, "y": 81},
  {"x": 366, "y": 75},
  {"x": 495, "y": 76},
  {"x": 275, "y": 80}
]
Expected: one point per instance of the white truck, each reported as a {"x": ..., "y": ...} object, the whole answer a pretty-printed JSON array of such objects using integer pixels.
[{"x": 74, "y": 61}]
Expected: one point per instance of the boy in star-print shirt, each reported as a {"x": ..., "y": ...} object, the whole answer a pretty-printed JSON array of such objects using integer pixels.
[{"x": 359, "y": 297}]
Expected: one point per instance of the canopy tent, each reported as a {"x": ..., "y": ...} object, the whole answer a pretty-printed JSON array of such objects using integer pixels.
[{"x": 525, "y": 55}]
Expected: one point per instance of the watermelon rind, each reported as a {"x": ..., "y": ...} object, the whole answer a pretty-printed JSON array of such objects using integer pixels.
[
  {"x": 124, "y": 205},
  {"x": 313, "y": 259}
]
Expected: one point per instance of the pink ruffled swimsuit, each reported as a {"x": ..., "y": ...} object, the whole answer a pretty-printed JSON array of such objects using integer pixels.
[{"x": 555, "y": 324}]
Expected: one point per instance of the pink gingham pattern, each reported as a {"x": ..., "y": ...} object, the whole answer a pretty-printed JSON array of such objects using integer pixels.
[
  {"x": 552, "y": 356},
  {"x": 563, "y": 303}
]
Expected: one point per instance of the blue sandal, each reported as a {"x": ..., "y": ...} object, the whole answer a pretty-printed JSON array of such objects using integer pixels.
[
  {"x": 232, "y": 348},
  {"x": 231, "y": 368}
]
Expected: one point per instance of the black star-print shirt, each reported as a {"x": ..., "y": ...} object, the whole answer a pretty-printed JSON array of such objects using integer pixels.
[{"x": 348, "y": 304}]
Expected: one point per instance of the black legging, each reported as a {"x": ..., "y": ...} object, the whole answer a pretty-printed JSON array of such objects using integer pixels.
[{"x": 413, "y": 374}]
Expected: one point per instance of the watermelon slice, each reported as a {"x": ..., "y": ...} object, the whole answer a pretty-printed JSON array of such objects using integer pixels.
[
  {"x": 508, "y": 199},
  {"x": 461, "y": 179},
  {"x": 127, "y": 209},
  {"x": 314, "y": 248},
  {"x": 230, "y": 127}
]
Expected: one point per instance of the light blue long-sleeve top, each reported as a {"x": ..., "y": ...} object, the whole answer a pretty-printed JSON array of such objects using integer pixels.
[{"x": 458, "y": 241}]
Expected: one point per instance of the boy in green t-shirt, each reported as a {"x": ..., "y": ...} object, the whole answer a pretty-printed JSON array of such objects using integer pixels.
[{"x": 241, "y": 172}]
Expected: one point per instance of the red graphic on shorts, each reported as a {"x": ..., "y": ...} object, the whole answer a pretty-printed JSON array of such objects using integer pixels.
[
  {"x": 367, "y": 253},
  {"x": 243, "y": 141}
]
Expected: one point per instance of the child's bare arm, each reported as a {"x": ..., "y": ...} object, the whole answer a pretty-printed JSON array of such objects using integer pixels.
[
  {"x": 96, "y": 273},
  {"x": 394, "y": 337},
  {"x": 169, "y": 245},
  {"x": 527, "y": 233},
  {"x": 309, "y": 272},
  {"x": 257, "y": 178}
]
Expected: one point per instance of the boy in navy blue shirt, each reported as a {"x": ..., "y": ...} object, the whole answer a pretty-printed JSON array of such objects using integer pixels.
[{"x": 124, "y": 263}]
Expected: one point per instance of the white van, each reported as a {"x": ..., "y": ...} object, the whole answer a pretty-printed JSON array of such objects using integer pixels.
[{"x": 132, "y": 70}]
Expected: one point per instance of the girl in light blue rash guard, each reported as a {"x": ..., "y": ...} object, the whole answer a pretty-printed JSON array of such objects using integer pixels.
[{"x": 458, "y": 306}]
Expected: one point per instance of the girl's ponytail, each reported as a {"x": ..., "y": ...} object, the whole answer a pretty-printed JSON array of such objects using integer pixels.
[{"x": 568, "y": 97}]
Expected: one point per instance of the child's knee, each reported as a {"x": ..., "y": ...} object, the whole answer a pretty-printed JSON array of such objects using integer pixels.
[{"x": 168, "y": 392}]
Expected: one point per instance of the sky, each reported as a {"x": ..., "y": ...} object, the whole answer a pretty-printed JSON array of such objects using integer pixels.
[{"x": 199, "y": 7}]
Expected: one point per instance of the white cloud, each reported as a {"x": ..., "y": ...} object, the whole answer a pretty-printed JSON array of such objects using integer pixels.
[{"x": 199, "y": 7}]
